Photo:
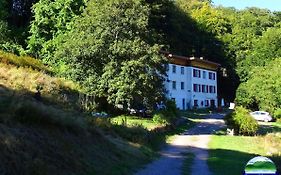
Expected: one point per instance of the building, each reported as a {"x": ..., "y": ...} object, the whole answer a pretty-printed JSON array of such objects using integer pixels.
[{"x": 191, "y": 82}]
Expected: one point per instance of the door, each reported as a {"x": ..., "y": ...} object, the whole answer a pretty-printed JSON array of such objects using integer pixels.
[
  {"x": 183, "y": 104},
  {"x": 213, "y": 103}
]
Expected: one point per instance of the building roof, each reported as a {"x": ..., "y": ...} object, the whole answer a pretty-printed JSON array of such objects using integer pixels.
[{"x": 191, "y": 61}]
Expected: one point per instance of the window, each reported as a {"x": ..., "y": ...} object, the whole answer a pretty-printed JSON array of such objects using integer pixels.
[
  {"x": 207, "y": 103},
  {"x": 174, "y": 69},
  {"x": 196, "y": 73},
  {"x": 195, "y": 102},
  {"x": 204, "y": 88},
  {"x": 174, "y": 85},
  {"x": 182, "y": 70},
  {"x": 212, "y": 76},
  {"x": 207, "y": 88},
  {"x": 196, "y": 87},
  {"x": 212, "y": 89},
  {"x": 173, "y": 99},
  {"x": 182, "y": 85},
  {"x": 204, "y": 74}
]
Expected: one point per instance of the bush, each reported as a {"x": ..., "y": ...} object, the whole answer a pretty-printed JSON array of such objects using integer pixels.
[
  {"x": 168, "y": 115},
  {"x": 277, "y": 113},
  {"x": 160, "y": 117},
  {"x": 241, "y": 121}
]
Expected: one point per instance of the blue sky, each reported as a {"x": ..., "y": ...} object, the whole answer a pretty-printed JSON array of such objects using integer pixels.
[{"x": 273, "y": 5}]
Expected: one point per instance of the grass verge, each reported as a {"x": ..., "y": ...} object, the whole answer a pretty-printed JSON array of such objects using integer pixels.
[
  {"x": 132, "y": 121},
  {"x": 233, "y": 152}
]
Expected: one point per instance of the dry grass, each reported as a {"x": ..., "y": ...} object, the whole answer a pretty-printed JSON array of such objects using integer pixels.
[
  {"x": 31, "y": 150},
  {"x": 23, "y": 61},
  {"x": 26, "y": 74},
  {"x": 26, "y": 78},
  {"x": 272, "y": 144},
  {"x": 49, "y": 136},
  {"x": 25, "y": 81}
]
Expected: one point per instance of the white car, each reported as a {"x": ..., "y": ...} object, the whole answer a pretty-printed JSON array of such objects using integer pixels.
[{"x": 261, "y": 116}]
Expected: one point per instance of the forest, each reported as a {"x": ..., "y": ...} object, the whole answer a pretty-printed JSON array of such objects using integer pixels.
[{"x": 111, "y": 48}]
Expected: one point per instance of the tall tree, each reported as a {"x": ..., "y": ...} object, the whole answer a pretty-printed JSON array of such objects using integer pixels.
[{"x": 109, "y": 52}]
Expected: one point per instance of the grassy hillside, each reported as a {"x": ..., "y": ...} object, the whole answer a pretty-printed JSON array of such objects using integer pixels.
[{"x": 49, "y": 135}]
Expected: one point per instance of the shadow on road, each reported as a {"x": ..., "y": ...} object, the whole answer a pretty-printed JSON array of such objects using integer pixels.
[{"x": 220, "y": 162}]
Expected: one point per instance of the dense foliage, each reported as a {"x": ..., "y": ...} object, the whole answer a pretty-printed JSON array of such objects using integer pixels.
[
  {"x": 262, "y": 90},
  {"x": 241, "y": 121},
  {"x": 111, "y": 47},
  {"x": 51, "y": 19},
  {"x": 115, "y": 62}
]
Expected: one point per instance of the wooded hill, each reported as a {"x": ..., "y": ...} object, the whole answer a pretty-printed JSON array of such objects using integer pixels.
[{"x": 111, "y": 47}]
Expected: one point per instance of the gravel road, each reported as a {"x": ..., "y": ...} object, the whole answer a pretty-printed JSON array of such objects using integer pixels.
[{"x": 194, "y": 140}]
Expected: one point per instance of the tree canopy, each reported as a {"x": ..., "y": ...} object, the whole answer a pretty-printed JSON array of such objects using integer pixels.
[
  {"x": 108, "y": 52},
  {"x": 107, "y": 45}
]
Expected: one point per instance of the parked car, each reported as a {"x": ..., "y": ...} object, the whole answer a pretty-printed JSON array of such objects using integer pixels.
[
  {"x": 142, "y": 112},
  {"x": 261, "y": 116}
]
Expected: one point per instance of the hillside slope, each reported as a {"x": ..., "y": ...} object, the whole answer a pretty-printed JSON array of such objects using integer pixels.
[{"x": 49, "y": 135}]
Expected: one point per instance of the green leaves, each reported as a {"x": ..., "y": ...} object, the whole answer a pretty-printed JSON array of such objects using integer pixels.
[
  {"x": 107, "y": 51},
  {"x": 262, "y": 90},
  {"x": 51, "y": 19}
]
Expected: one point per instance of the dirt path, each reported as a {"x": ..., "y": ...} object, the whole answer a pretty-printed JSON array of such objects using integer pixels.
[{"x": 194, "y": 140}]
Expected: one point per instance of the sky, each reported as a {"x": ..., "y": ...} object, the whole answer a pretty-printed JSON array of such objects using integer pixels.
[{"x": 273, "y": 5}]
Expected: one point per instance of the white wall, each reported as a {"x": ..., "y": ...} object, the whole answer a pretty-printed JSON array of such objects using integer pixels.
[
  {"x": 178, "y": 93},
  {"x": 201, "y": 96},
  {"x": 187, "y": 93}
]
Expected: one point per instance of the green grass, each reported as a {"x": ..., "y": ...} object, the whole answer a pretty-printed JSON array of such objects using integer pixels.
[
  {"x": 233, "y": 152},
  {"x": 135, "y": 121},
  {"x": 145, "y": 131},
  {"x": 187, "y": 164}
]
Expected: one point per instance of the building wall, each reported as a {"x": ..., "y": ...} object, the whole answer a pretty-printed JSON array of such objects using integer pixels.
[{"x": 185, "y": 97}]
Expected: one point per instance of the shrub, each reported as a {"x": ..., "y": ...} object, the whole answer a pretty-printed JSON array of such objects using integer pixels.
[
  {"x": 168, "y": 115},
  {"x": 241, "y": 121},
  {"x": 277, "y": 113},
  {"x": 13, "y": 48},
  {"x": 160, "y": 117}
]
